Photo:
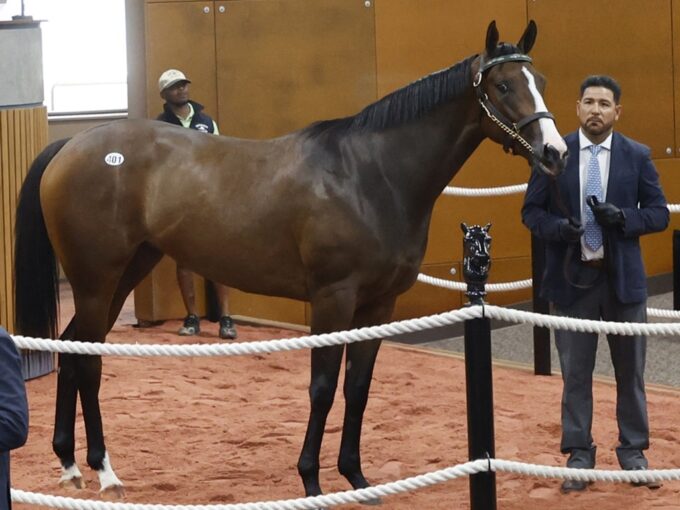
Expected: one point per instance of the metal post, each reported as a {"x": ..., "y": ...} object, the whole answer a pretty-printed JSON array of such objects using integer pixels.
[
  {"x": 676, "y": 269},
  {"x": 479, "y": 386},
  {"x": 540, "y": 305},
  {"x": 478, "y": 372}
]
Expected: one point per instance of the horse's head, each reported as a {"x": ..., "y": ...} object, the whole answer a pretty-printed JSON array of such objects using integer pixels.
[{"x": 510, "y": 93}]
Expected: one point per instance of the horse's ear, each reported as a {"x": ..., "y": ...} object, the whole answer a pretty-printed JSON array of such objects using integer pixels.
[
  {"x": 491, "y": 38},
  {"x": 464, "y": 228},
  {"x": 487, "y": 227},
  {"x": 526, "y": 42}
]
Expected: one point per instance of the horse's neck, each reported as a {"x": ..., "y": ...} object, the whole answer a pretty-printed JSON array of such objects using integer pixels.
[{"x": 428, "y": 152}]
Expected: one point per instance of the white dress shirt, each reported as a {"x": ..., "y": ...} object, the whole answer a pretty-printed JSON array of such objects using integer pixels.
[{"x": 603, "y": 159}]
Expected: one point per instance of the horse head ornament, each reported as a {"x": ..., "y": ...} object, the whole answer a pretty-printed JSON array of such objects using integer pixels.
[
  {"x": 510, "y": 93},
  {"x": 476, "y": 259}
]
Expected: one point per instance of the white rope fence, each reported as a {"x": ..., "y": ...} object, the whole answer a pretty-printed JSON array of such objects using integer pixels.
[
  {"x": 523, "y": 284},
  {"x": 581, "y": 325},
  {"x": 247, "y": 348},
  {"x": 370, "y": 493},
  {"x": 507, "y": 190},
  {"x": 351, "y": 336},
  {"x": 461, "y": 286},
  {"x": 361, "y": 334},
  {"x": 484, "y": 192}
]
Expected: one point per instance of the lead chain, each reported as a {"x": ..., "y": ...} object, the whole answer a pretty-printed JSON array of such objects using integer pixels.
[{"x": 513, "y": 133}]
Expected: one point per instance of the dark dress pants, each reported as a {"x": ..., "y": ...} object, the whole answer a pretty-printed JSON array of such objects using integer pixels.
[{"x": 577, "y": 353}]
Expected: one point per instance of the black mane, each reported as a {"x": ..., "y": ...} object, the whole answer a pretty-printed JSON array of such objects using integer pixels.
[{"x": 408, "y": 103}]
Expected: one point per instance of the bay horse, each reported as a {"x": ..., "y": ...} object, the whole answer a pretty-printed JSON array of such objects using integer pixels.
[{"x": 336, "y": 214}]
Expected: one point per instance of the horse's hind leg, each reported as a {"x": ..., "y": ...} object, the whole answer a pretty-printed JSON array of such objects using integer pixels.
[
  {"x": 78, "y": 373},
  {"x": 145, "y": 258},
  {"x": 96, "y": 311},
  {"x": 359, "y": 365},
  {"x": 63, "y": 440}
]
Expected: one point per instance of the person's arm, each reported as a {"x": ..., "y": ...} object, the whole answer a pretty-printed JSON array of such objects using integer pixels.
[
  {"x": 652, "y": 213},
  {"x": 538, "y": 218},
  {"x": 13, "y": 403}
]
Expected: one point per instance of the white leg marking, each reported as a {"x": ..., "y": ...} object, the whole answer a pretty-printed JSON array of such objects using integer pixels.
[
  {"x": 68, "y": 474},
  {"x": 107, "y": 478},
  {"x": 548, "y": 128}
]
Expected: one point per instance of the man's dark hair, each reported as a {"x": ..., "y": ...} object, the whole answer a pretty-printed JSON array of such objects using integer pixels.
[{"x": 601, "y": 80}]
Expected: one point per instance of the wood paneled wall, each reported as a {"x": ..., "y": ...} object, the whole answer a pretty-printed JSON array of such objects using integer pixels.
[
  {"x": 23, "y": 134},
  {"x": 265, "y": 54}
]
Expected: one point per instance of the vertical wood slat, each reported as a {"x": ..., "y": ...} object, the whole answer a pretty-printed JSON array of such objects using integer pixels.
[
  {"x": 3, "y": 165},
  {"x": 23, "y": 134},
  {"x": 5, "y": 262}
]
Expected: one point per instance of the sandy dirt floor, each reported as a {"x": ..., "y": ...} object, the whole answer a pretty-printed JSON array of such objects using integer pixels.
[{"x": 229, "y": 430}]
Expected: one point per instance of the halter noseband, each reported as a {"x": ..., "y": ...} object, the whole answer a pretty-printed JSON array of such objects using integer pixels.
[{"x": 512, "y": 129}]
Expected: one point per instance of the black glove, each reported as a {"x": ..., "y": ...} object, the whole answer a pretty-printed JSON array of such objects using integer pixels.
[
  {"x": 568, "y": 231},
  {"x": 606, "y": 214}
]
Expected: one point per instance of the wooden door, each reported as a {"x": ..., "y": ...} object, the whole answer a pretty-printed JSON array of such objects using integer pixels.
[
  {"x": 627, "y": 39},
  {"x": 181, "y": 35},
  {"x": 282, "y": 64},
  {"x": 676, "y": 66}
]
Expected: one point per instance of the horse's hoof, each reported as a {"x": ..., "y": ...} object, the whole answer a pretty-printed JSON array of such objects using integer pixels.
[
  {"x": 373, "y": 502},
  {"x": 76, "y": 482},
  {"x": 112, "y": 492}
]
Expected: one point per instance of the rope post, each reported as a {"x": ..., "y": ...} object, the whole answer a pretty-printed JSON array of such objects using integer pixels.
[
  {"x": 540, "y": 305},
  {"x": 478, "y": 373},
  {"x": 676, "y": 269}
]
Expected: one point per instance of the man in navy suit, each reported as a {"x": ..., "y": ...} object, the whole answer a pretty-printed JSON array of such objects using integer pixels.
[
  {"x": 13, "y": 411},
  {"x": 590, "y": 219}
]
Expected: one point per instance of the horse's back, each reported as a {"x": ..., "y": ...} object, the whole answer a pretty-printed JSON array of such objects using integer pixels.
[
  {"x": 189, "y": 194},
  {"x": 276, "y": 217}
]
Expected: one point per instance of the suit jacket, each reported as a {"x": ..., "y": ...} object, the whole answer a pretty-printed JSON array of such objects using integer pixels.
[
  {"x": 633, "y": 187},
  {"x": 13, "y": 411}
]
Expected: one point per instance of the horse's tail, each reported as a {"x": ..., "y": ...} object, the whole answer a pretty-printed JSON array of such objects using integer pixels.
[{"x": 36, "y": 274}]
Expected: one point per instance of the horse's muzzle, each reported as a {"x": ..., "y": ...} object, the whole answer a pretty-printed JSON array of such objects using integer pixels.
[{"x": 550, "y": 161}]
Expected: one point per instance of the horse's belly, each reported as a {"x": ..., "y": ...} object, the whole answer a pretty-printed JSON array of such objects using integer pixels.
[{"x": 246, "y": 268}]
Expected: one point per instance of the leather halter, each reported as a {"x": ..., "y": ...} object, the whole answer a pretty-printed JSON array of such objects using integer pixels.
[{"x": 511, "y": 129}]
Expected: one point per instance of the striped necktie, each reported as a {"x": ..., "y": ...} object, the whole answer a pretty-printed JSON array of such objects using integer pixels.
[{"x": 593, "y": 231}]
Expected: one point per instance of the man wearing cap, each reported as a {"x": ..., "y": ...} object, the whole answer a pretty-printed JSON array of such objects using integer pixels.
[
  {"x": 178, "y": 108},
  {"x": 181, "y": 111}
]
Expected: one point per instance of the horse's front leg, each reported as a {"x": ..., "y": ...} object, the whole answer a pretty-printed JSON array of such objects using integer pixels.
[
  {"x": 359, "y": 365},
  {"x": 332, "y": 310},
  {"x": 358, "y": 374},
  {"x": 92, "y": 313},
  {"x": 326, "y": 363}
]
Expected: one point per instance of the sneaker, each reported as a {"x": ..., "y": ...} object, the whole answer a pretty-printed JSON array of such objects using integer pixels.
[
  {"x": 191, "y": 326},
  {"x": 227, "y": 328}
]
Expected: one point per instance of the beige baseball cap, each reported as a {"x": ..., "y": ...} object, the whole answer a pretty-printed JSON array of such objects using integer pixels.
[{"x": 169, "y": 78}]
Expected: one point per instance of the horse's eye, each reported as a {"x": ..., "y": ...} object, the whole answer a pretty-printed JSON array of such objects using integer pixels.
[{"x": 502, "y": 87}]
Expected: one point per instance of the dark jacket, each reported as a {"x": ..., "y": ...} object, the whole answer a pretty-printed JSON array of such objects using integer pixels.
[
  {"x": 200, "y": 121},
  {"x": 13, "y": 411},
  {"x": 633, "y": 186}
]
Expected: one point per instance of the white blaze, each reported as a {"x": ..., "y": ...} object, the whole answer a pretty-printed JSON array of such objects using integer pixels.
[{"x": 548, "y": 128}]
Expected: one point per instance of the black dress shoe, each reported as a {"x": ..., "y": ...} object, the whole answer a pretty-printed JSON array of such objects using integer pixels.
[
  {"x": 653, "y": 484},
  {"x": 573, "y": 486}
]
